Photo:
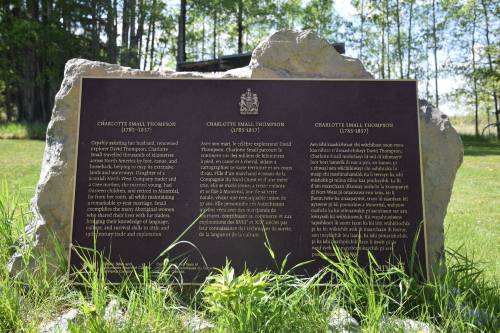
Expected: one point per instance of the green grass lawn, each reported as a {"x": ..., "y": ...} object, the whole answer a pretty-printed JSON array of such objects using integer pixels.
[
  {"x": 20, "y": 163},
  {"x": 473, "y": 219}
]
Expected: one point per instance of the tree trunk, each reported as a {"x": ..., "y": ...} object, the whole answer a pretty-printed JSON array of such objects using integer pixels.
[
  {"x": 148, "y": 36},
  {"x": 388, "y": 26},
  {"x": 181, "y": 38},
  {"x": 474, "y": 78},
  {"x": 33, "y": 9},
  {"x": 152, "y": 50},
  {"x": 125, "y": 33},
  {"x": 427, "y": 74},
  {"x": 26, "y": 89},
  {"x": 111, "y": 32},
  {"x": 132, "y": 49},
  {"x": 410, "y": 19},
  {"x": 135, "y": 40},
  {"x": 94, "y": 45},
  {"x": 436, "y": 74},
  {"x": 9, "y": 110},
  {"x": 214, "y": 54},
  {"x": 65, "y": 16},
  {"x": 488, "y": 120},
  {"x": 140, "y": 33},
  {"x": 162, "y": 50},
  {"x": 115, "y": 50},
  {"x": 11, "y": 55},
  {"x": 400, "y": 51},
  {"x": 44, "y": 88},
  {"x": 28, "y": 70},
  {"x": 382, "y": 49},
  {"x": 490, "y": 64},
  {"x": 203, "y": 39},
  {"x": 361, "y": 40},
  {"x": 240, "y": 26}
]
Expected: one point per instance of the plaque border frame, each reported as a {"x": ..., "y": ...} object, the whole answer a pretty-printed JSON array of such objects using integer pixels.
[{"x": 423, "y": 223}]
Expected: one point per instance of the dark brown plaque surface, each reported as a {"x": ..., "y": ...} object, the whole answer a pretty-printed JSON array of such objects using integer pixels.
[{"x": 315, "y": 162}]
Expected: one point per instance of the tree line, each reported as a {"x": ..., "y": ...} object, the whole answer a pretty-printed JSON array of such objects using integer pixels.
[{"x": 395, "y": 39}]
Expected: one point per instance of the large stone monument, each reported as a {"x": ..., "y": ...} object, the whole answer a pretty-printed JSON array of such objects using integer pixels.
[{"x": 285, "y": 54}]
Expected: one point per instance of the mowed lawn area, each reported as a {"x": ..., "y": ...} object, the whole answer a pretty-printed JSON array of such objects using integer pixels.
[
  {"x": 20, "y": 164},
  {"x": 473, "y": 220}
]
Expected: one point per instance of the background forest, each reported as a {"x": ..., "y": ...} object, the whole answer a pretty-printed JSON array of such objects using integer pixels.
[{"x": 443, "y": 44}]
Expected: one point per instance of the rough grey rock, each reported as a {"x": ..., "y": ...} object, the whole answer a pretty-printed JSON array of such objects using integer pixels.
[
  {"x": 341, "y": 321},
  {"x": 61, "y": 323},
  {"x": 302, "y": 54},
  {"x": 406, "y": 326},
  {"x": 196, "y": 324},
  {"x": 283, "y": 54},
  {"x": 114, "y": 314},
  {"x": 442, "y": 155}
]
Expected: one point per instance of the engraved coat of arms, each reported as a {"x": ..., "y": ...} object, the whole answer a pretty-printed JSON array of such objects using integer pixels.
[{"x": 249, "y": 103}]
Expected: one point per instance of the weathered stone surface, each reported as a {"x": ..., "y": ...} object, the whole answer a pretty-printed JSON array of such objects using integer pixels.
[
  {"x": 61, "y": 323},
  {"x": 341, "y": 321},
  {"x": 406, "y": 326},
  {"x": 114, "y": 314},
  {"x": 283, "y": 54},
  {"x": 290, "y": 53},
  {"x": 197, "y": 324},
  {"x": 442, "y": 154}
]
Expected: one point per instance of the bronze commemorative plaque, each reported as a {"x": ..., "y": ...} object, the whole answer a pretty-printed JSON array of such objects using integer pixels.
[{"x": 311, "y": 162}]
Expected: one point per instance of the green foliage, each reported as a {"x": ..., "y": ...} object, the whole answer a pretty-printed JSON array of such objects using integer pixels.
[
  {"x": 23, "y": 130},
  {"x": 318, "y": 16},
  {"x": 225, "y": 290},
  {"x": 460, "y": 301},
  {"x": 33, "y": 51},
  {"x": 150, "y": 303},
  {"x": 264, "y": 301},
  {"x": 10, "y": 228},
  {"x": 393, "y": 38},
  {"x": 454, "y": 302}
]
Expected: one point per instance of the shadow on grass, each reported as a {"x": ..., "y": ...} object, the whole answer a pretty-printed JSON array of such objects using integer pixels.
[
  {"x": 22, "y": 130},
  {"x": 479, "y": 146}
]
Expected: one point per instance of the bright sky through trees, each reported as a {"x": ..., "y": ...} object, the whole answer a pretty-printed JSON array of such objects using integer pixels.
[
  {"x": 447, "y": 85},
  {"x": 453, "y": 43}
]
